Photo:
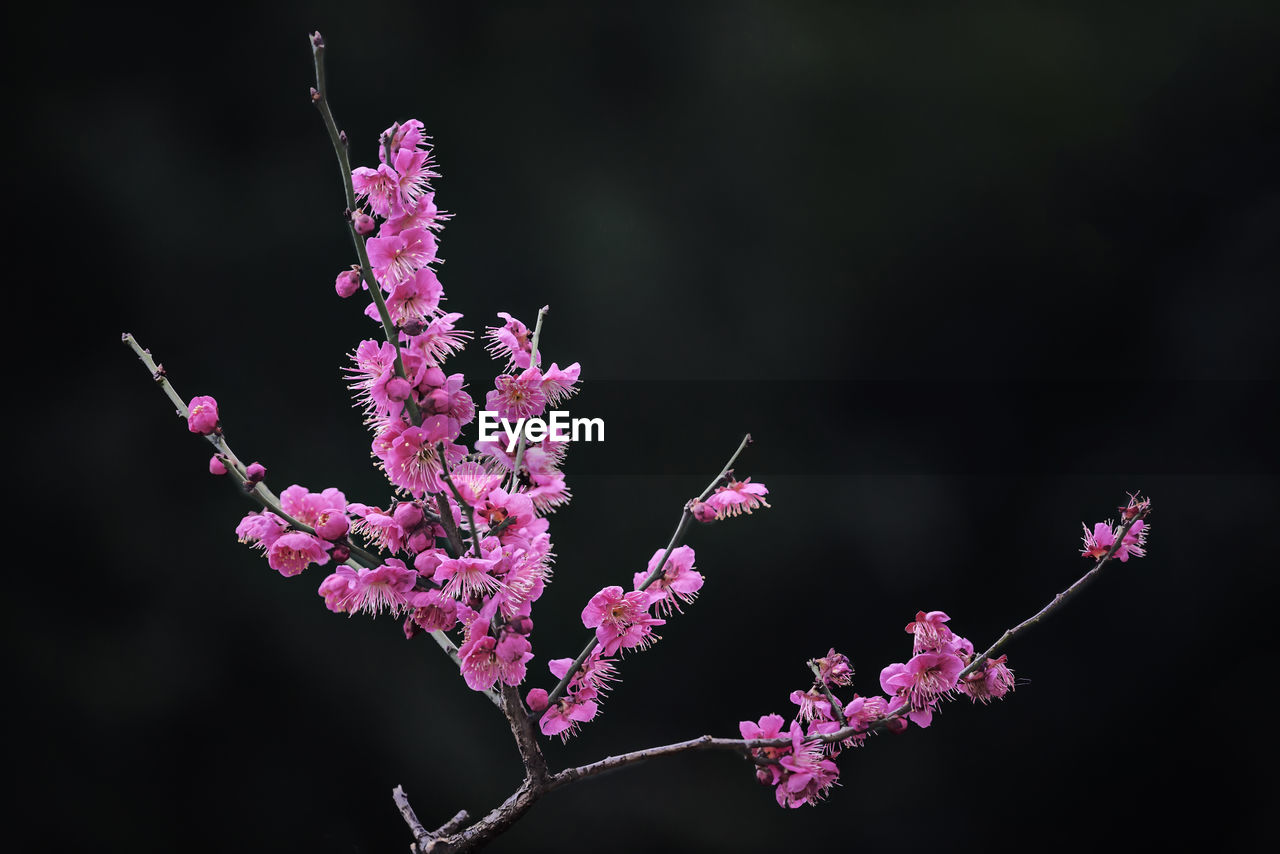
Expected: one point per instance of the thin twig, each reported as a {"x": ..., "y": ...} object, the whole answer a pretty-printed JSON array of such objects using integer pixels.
[
  {"x": 419, "y": 832},
  {"x": 320, "y": 97},
  {"x": 686, "y": 517},
  {"x": 1059, "y": 600},
  {"x": 257, "y": 491}
]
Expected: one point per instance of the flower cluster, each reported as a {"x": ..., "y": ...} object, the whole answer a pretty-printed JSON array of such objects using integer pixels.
[
  {"x": 464, "y": 547},
  {"x": 942, "y": 664}
]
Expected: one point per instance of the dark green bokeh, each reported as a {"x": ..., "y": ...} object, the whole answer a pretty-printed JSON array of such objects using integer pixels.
[{"x": 797, "y": 195}]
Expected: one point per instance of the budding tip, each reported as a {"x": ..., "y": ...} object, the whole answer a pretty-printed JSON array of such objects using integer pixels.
[{"x": 317, "y": 40}]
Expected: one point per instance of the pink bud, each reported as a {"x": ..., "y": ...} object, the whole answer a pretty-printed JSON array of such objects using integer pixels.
[
  {"x": 332, "y": 524},
  {"x": 897, "y": 726},
  {"x": 216, "y": 466},
  {"x": 419, "y": 541},
  {"x": 202, "y": 415},
  {"x": 410, "y": 627},
  {"x": 703, "y": 512},
  {"x": 363, "y": 222},
  {"x": 407, "y": 515},
  {"x": 347, "y": 283},
  {"x": 537, "y": 699},
  {"x": 433, "y": 377},
  {"x": 521, "y": 625},
  {"x": 398, "y": 389},
  {"x": 255, "y": 472},
  {"x": 412, "y": 327},
  {"x": 340, "y": 552}
]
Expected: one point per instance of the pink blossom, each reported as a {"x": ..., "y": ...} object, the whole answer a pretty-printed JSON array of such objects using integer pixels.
[
  {"x": 930, "y": 631},
  {"x": 466, "y": 578},
  {"x": 834, "y": 669},
  {"x": 621, "y": 620},
  {"x": 558, "y": 384},
  {"x": 678, "y": 581},
  {"x": 293, "y": 552},
  {"x": 738, "y": 497},
  {"x": 415, "y": 299},
  {"x": 440, "y": 339},
  {"x": 511, "y": 342},
  {"x": 261, "y": 528},
  {"x": 517, "y": 396},
  {"x": 925, "y": 678},
  {"x": 380, "y": 186},
  {"x": 563, "y": 718},
  {"x": 307, "y": 507},
  {"x": 370, "y": 591},
  {"x": 990, "y": 682},
  {"x": 813, "y": 705},
  {"x": 769, "y": 726},
  {"x": 396, "y": 258},
  {"x": 216, "y": 466},
  {"x": 486, "y": 659},
  {"x": 1099, "y": 542},
  {"x": 433, "y": 611},
  {"x": 410, "y": 459},
  {"x": 202, "y": 415},
  {"x": 806, "y": 775}
]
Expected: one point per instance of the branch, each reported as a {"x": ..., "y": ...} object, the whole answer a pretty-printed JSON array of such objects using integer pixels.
[
  {"x": 257, "y": 491},
  {"x": 677, "y": 538},
  {"x": 320, "y": 97},
  {"x": 1059, "y": 600}
]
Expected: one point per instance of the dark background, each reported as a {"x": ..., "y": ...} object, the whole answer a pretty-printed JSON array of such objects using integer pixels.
[{"x": 968, "y": 272}]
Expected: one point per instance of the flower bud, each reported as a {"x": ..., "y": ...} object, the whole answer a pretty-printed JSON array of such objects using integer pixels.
[
  {"x": 216, "y": 466},
  {"x": 398, "y": 389},
  {"x": 433, "y": 377},
  {"x": 332, "y": 525},
  {"x": 412, "y": 327},
  {"x": 363, "y": 222},
  {"x": 521, "y": 625},
  {"x": 407, "y": 515},
  {"x": 347, "y": 283},
  {"x": 703, "y": 512},
  {"x": 340, "y": 552},
  {"x": 537, "y": 699},
  {"x": 255, "y": 472},
  {"x": 202, "y": 415}
]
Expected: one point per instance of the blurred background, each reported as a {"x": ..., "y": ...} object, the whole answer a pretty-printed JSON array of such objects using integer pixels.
[{"x": 968, "y": 273}]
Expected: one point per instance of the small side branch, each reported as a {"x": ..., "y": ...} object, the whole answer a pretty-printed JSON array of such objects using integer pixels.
[
  {"x": 1059, "y": 600},
  {"x": 686, "y": 518}
]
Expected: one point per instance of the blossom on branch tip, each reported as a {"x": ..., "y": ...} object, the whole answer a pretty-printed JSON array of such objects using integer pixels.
[
  {"x": 1098, "y": 542},
  {"x": 834, "y": 669},
  {"x": 216, "y": 466}
]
